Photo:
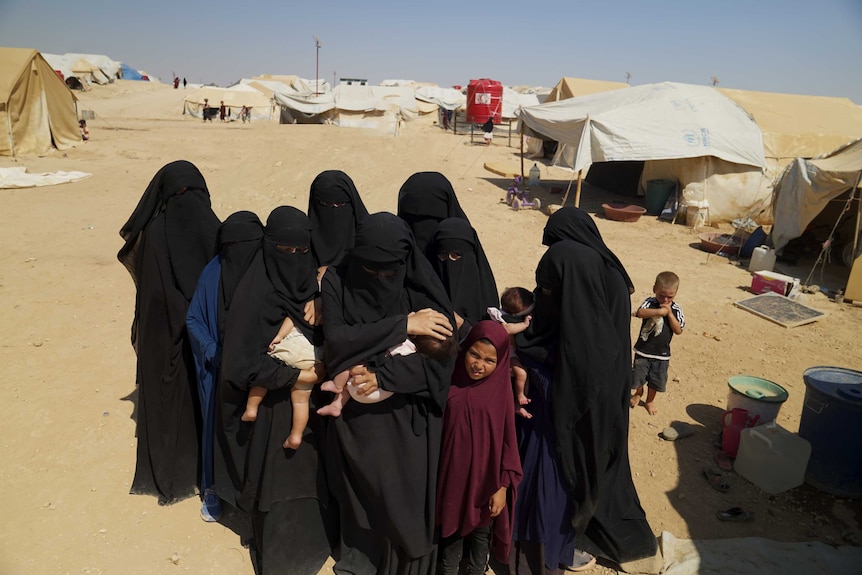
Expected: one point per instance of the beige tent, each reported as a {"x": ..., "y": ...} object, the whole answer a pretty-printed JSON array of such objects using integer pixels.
[
  {"x": 571, "y": 87},
  {"x": 37, "y": 110},
  {"x": 797, "y": 126}
]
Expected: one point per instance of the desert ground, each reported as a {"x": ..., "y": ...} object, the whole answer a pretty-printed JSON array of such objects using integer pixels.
[{"x": 67, "y": 440}]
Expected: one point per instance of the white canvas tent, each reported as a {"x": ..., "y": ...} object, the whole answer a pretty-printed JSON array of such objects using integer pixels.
[
  {"x": 691, "y": 133},
  {"x": 234, "y": 98},
  {"x": 37, "y": 110},
  {"x": 807, "y": 187}
]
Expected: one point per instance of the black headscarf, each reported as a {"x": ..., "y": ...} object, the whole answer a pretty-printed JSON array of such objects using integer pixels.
[
  {"x": 425, "y": 200},
  {"x": 384, "y": 243},
  {"x": 180, "y": 191},
  {"x": 277, "y": 284},
  {"x": 469, "y": 281},
  {"x": 333, "y": 228},
  {"x": 572, "y": 223},
  {"x": 238, "y": 240}
]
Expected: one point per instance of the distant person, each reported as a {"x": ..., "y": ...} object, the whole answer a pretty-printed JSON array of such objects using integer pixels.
[
  {"x": 206, "y": 114},
  {"x": 85, "y": 133},
  {"x": 176, "y": 82},
  {"x": 243, "y": 114},
  {"x": 662, "y": 319},
  {"x": 184, "y": 83},
  {"x": 488, "y": 128},
  {"x": 222, "y": 111}
]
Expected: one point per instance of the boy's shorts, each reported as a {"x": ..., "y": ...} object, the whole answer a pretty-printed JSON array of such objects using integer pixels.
[{"x": 651, "y": 371}]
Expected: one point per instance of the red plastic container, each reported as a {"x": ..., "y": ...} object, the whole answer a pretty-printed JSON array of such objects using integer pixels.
[
  {"x": 484, "y": 100},
  {"x": 733, "y": 422}
]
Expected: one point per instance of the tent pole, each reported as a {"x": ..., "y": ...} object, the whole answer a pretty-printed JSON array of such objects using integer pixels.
[
  {"x": 578, "y": 190},
  {"x": 858, "y": 220},
  {"x": 522, "y": 150}
]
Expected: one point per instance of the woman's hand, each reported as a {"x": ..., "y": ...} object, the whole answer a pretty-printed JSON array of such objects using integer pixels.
[
  {"x": 313, "y": 311},
  {"x": 364, "y": 380},
  {"x": 498, "y": 502},
  {"x": 312, "y": 375},
  {"x": 429, "y": 322}
]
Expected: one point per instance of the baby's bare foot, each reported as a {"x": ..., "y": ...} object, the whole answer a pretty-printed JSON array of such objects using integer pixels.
[
  {"x": 330, "y": 386},
  {"x": 524, "y": 413},
  {"x": 522, "y": 399},
  {"x": 250, "y": 414},
  {"x": 293, "y": 441},
  {"x": 332, "y": 410},
  {"x": 650, "y": 407}
]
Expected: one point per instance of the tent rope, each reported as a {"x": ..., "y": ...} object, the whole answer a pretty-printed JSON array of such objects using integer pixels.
[{"x": 826, "y": 249}]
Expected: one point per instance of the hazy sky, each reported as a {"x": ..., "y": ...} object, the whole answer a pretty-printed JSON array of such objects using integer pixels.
[{"x": 795, "y": 46}]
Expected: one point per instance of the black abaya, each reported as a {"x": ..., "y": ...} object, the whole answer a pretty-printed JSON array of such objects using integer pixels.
[
  {"x": 382, "y": 458},
  {"x": 589, "y": 296},
  {"x": 284, "y": 491},
  {"x": 170, "y": 237}
]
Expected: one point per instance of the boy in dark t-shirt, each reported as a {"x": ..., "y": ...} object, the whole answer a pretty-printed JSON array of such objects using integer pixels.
[{"x": 662, "y": 318}]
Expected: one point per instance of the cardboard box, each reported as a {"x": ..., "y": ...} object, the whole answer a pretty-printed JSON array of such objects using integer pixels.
[{"x": 763, "y": 281}]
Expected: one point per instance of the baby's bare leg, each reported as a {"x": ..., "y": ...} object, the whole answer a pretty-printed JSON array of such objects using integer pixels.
[
  {"x": 299, "y": 401},
  {"x": 255, "y": 396},
  {"x": 337, "y": 385}
]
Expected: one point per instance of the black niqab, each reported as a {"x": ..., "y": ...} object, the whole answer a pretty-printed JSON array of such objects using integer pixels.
[
  {"x": 425, "y": 200},
  {"x": 572, "y": 223},
  {"x": 469, "y": 281},
  {"x": 180, "y": 191},
  {"x": 333, "y": 227},
  {"x": 238, "y": 240}
]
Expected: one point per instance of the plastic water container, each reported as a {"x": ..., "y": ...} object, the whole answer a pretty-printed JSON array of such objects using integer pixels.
[
  {"x": 534, "y": 176},
  {"x": 772, "y": 458},
  {"x": 657, "y": 193},
  {"x": 756, "y": 395},
  {"x": 832, "y": 421},
  {"x": 762, "y": 259}
]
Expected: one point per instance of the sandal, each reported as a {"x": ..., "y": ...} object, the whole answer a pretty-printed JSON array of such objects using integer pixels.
[
  {"x": 716, "y": 480},
  {"x": 737, "y": 514},
  {"x": 677, "y": 430}
]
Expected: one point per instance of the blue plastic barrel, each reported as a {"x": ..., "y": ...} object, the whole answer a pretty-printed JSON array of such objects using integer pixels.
[
  {"x": 832, "y": 422},
  {"x": 657, "y": 193}
]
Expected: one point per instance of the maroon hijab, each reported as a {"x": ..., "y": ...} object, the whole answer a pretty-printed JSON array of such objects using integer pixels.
[{"x": 480, "y": 450}]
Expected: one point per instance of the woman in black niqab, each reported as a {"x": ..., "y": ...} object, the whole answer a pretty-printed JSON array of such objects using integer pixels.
[
  {"x": 382, "y": 457},
  {"x": 457, "y": 256},
  {"x": 425, "y": 200},
  {"x": 169, "y": 238},
  {"x": 282, "y": 490},
  {"x": 335, "y": 209},
  {"x": 582, "y": 327}
]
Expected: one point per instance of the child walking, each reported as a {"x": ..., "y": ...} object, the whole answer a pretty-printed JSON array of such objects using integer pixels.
[
  {"x": 662, "y": 318},
  {"x": 480, "y": 468}
]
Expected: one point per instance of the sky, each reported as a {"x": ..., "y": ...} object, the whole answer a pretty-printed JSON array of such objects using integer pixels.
[{"x": 791, "y": 46}]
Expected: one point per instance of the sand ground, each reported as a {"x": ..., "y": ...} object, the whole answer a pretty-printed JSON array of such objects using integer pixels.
[{"x": 68, "y": 446}]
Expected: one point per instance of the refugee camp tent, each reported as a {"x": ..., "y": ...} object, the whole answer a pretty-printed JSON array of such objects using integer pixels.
[
  {"x": 798, "y": 126},
  {"x": 129, "y": 73},
  {"x": 572, "y": 87},
  {"x": 37, "y": 110},
  {"x": 235, "y": 97},
  {"x": 807, "y": 188},
  {"x": 694, "y": 133}
]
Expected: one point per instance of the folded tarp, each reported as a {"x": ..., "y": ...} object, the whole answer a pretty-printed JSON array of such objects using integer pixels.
[
  {"x": 649, "y": 122},
  {"x": 19, "y": 178},
  {"x": 446, "y": 98}
]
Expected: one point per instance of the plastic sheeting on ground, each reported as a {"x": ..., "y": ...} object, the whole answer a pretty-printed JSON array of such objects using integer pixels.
[{"x": 19, "y": 178}]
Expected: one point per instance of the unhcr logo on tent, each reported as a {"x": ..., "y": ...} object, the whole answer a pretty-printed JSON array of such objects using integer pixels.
[{"x": 697, "y": 138}]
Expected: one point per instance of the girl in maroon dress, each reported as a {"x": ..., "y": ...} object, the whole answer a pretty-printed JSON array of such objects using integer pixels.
[{"x": 479, "y": 465}]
